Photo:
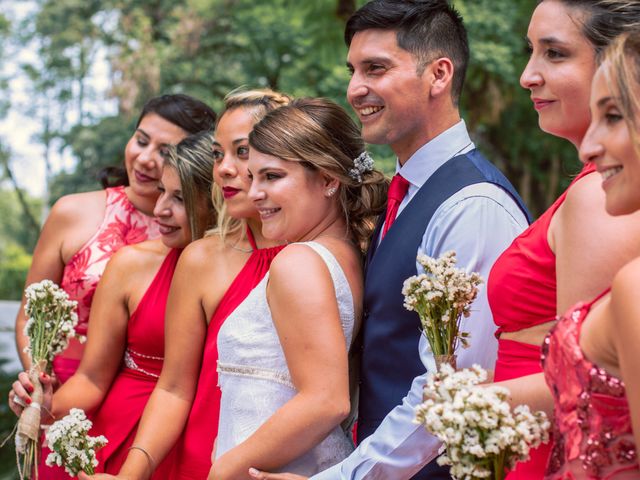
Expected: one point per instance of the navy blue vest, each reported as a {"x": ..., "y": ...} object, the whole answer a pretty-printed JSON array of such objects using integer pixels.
[{"x": 390, "y": 333}]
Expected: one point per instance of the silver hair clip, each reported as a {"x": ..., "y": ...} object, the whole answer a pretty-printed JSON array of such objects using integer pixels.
[{"x": 361, "y": 164}]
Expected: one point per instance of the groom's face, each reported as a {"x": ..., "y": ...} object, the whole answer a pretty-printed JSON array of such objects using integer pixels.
[{"x": 386, "y": 92}]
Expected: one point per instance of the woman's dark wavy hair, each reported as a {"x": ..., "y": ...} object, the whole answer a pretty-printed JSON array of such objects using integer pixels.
[{"x": 186, "y": 112}]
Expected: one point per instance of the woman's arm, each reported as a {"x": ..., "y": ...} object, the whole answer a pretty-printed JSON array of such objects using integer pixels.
[
  {"x": 305, "y": 314},
  {"x": 531, "y": 390},
  {"x": 107, "y": 337},
  {"x": 67, "y": 228},
  {"x": 103, "y": 354},
  {"x": 590, "y": 245},
  {"x": 625, "y": 331},
  {"x": 168, "y": 407}
]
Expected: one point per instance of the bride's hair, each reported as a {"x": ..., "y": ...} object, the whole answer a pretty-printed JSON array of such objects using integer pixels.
[
  {"x": 320, "y": 135},
  {"x": 258, "y": 103}
]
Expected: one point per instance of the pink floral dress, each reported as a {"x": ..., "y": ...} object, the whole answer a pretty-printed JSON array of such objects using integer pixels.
[
  {"x": 122, "y": 225},
  {"x": 592, "y": 422}
]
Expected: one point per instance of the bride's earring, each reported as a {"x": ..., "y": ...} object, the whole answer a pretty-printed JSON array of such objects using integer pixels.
[{"x": 332, "y": 191}]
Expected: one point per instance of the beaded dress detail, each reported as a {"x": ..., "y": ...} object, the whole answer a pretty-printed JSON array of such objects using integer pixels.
[
  {"x": 592, "y": 422},
  {"x": 254, "y": 377}
]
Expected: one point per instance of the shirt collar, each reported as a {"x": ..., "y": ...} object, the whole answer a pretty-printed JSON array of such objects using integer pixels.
[{"x": 432, "y": 155}]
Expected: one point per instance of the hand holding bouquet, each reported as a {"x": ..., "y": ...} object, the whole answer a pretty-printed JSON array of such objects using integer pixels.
[
  {"x": 71, "y": 445},
  {"x": 441, "y": 297},
  {"x": 51, "y": 322},
  {"x": 481, "y": 434}
]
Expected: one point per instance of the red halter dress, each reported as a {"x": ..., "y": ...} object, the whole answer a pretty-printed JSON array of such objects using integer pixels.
[
  {"x": 122, "y": 225},
  {"x": 118, "y": 416},
  {"x": 522, "y": 293},
  {"x": 195, "y": 446}
]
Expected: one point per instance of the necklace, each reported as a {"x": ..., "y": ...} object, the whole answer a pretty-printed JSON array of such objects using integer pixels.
[{"x": 240, "y": 249}]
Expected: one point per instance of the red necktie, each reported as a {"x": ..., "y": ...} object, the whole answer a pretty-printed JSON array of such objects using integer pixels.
[{"x": 397, "y": 191}]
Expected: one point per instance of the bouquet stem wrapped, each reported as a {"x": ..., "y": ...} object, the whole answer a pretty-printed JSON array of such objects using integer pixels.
[{"x": 51, "y": 323}]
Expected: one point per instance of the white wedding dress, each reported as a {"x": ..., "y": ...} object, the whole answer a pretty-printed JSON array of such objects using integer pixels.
[{"x": 254, "y": 377}]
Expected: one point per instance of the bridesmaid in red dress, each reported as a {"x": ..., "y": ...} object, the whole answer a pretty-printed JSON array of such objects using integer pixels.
[
  {"x": 84, "y": 230},
  {"x": 574, "y": 249},
  {"x": 213, "y": 276},
  {"x": 124, "y": 354},
  {"x": 591, "y": 355}
]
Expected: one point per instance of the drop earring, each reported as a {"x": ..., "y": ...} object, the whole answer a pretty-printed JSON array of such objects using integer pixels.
[{"x": 332, "y": 191}]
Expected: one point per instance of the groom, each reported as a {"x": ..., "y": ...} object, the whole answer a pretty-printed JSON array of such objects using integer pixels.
[{"x": 408, "y": 61}]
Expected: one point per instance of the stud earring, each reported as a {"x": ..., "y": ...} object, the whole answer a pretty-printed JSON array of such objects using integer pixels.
[{"x": 332, "y": 191}]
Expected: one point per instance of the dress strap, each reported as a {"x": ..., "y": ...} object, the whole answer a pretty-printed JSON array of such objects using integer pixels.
[
  {"x": 602, "y": 294},
  {"x": 252, "y": 240}
]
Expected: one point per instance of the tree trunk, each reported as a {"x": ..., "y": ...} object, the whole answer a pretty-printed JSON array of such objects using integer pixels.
[{"x": 30, "y": 219}]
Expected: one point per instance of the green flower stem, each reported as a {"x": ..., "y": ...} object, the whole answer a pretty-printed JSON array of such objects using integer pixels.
[{"x": 498, "y": 466}]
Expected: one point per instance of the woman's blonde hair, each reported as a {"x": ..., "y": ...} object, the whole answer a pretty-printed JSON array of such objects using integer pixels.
[
  {"x": 192, "y": 158},
  {"x": 621, "y": 62},
  {"x": 258, "y": 102},
  {"x": 320, "y": 135}
]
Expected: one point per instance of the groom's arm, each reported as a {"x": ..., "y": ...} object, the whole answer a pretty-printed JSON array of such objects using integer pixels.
[{"x": 478, "y": 223}]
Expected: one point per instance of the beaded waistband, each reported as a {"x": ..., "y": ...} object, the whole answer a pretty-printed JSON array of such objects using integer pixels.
[
  {"x": 256, "y": 372},
  {"x": 133, "y": 365}
]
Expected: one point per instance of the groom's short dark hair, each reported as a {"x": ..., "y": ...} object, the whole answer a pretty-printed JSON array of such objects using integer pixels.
[{"x": 428, "y": 29}]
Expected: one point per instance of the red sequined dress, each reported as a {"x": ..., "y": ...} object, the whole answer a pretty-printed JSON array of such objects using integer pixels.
[
  {"x": 195, "y": 446},
  {"x": 522, "y": 293},
  {"x": 122, "y": 225},
  {"x": 592, "y": 422}
]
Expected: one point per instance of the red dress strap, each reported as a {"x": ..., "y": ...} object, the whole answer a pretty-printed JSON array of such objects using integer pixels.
[
  {"x": 602, "y": 294},
  {"x": 252, "y": 241}
]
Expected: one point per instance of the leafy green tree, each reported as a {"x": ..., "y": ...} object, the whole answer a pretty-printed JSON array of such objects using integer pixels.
[
  {"x": 14, "y": 265},
  {"x": 208, "y": 47}
]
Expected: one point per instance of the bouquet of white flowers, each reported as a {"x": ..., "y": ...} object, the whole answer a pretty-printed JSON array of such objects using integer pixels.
[
  {"x": 51, "y": 322},
  {"x": 71, "y": 446},
  {"x": 441, "y": 297},
  {"x": 481, "y": 434}
]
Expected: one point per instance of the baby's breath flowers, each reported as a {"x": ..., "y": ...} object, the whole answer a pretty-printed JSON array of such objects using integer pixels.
[
  {"x": 481, "y": 434},
  {"x": 51, "y": 323},
  {"x": 441, "y": 297},
  {"x": 71, "y": 446}
]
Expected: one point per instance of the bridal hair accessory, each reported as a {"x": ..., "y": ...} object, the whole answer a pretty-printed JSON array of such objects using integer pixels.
[{"x": 361, "y": 164}]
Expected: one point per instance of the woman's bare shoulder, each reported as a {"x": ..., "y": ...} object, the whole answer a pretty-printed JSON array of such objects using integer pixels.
[
  {"x": 77, "y": 207},
  {"x": 138, "y": 257}
]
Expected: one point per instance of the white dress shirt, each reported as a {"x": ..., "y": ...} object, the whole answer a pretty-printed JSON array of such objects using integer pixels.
[{"x": 479, "y": 222}]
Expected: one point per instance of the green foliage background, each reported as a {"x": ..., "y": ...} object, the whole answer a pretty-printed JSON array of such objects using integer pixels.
[{"x": 208, "y": 47}]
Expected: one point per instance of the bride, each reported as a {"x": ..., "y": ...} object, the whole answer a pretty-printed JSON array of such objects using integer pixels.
[{"x": 283, "y": 353}]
